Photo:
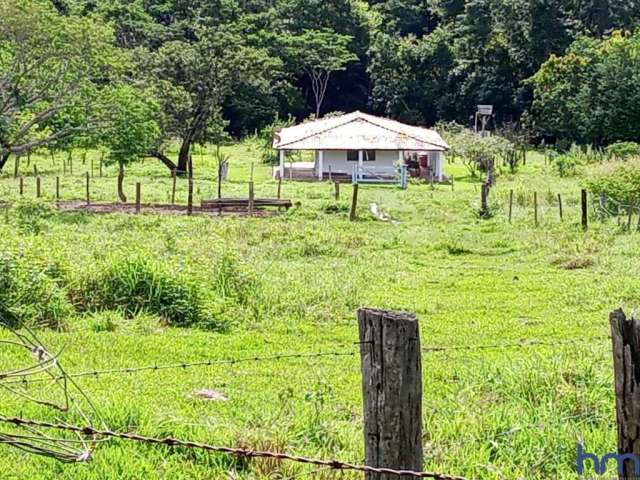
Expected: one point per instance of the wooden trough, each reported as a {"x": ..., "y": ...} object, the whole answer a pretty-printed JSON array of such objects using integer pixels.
[{"x": 243, "y": 203}]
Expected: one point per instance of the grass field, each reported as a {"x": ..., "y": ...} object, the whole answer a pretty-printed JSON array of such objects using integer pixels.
[{"x": 292, "y": 283}]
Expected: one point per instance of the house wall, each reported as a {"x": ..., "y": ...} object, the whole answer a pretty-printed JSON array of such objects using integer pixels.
[{"x": 337, "y": 159}]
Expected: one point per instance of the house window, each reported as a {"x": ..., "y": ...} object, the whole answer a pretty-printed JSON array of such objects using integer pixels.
[
  {"x": 369, "y": 156},
  {"x": 352, "y": 155}
]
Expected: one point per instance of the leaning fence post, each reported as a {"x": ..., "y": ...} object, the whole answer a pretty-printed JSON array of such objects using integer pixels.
[
  {"x": 625, "y": 336},
  {"x": 583, "y": 202},
  {"x": 138, "y": 196},
  {"x": 392, "y": 390},
  {"x": 560, "y": 206},
  {"x": 354, "y": 202}
]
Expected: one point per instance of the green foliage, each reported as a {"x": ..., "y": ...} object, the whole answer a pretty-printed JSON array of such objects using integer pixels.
[
  {"x": 588, "y": 95},
  {"x": 620, "y": 184},
  {"x": 30, "y": 295},
  {"x": 30, "y": 216},
  {"x": 136, "y": 284},
  {"x": 623, "y": 150},
  {"x": 566, "y": 165}
]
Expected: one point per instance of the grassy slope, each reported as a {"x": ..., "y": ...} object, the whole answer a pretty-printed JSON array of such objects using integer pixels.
[{"x": 488, "y": 414}]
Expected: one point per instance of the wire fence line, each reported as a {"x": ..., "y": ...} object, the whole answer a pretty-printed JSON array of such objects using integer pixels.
[
  {"x": 292, "y": 356},
  {"x": 239, "y": 452}
]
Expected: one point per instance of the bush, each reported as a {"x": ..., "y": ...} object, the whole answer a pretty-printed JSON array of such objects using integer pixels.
[
  {"x": 137, "y": 284},
  {"x": 620, "y": 184},
  {"x": 566, "y": 165},
  {"x": 29, "y": 296},
  {"x": 623, "y": 150},
  {"x": 30, "y": 215}
]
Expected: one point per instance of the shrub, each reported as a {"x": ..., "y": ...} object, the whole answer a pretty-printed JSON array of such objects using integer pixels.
[
  {"x": 29, "y": 296},
  {"x": 620, "y": 184},
  {"x": 566, "y": 165},
  {"x": 30, "y": 215},
  {"x": 623, "y": 150},
  {"x": 136, "y": 284}
]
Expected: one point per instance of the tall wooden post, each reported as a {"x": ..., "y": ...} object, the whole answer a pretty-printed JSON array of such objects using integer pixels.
[
  {"x": 88, "y": 188},
  {"x": 101, "y": 162},
  {"x": 354, "y": 203},
  {"x": 510, "y": 204},
  {"x": 583, "y": 203},
  {"x": 535, "y": 208},
  {"x": 560, "y": 207},
  {"x": 279, "y": 186},
  {"x": 138, "y": 197},
  {"x": 190, "y": 188},
  {"x": 174, "y": 177},
  {"x": 21, "y": 185},
  {"x": 250, "y": 204},
  {"x": 57, "y": 188},
  {"x": 625, "y": 336},
  {"x": 38, "y": 187},
  {"x": 16, "y": 166},
  {"x": 392, "y": 391},
  {"x": 336, "y": 186}
]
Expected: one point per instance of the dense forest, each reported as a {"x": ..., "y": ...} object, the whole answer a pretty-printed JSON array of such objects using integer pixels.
[{"x": 132, "y": 75}]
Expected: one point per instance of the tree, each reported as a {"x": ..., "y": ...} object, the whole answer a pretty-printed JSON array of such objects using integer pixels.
[
  {"x": 52, "y": 73},
  {"x": 194, "y": 78},
  {"x": 319, "y": 53},
  {"x": 131, "y": 128}
]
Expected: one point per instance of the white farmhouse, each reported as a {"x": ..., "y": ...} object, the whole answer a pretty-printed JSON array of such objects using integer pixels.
[{"x": 359, "y": 140}]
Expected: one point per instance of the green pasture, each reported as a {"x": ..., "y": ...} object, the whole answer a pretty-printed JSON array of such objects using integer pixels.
[{"x": 292, "y": 283}]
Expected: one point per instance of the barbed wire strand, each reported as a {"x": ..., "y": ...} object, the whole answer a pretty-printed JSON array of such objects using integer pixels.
[{"x": 239, "y": 452}]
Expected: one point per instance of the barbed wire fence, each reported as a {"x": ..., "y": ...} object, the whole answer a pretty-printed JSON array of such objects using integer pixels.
[{"x": 77, "y": 443}]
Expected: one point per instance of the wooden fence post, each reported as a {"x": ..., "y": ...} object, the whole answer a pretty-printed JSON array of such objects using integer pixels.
[
  {"x": 57, "y": 188},
  {"x": 560, "y": 207},
  {"x": 392, "y": 390},
  {"x": 535, "y": 208},
  {"x": 354, "y": 202},
  {"x": 38, "y": 187},
  {"x": 101, "y": 162},
  {"x": 279, "y": 185},
  {"x": 583, "y": 202},
  {"x": 88, "y": 188},
  {"x": 138, "y": 197},
  {"x": 251, "y": 199},
  {"x": 16, "y": 166},
  {"x": 21, "y": 185},
  {"x": 174, "y": 175},
  {"x": 510, "y": 204},
  {"x": 190, "y": 187},
  {"x": 336, "y": 186},
  {"x": 625, "y": 336}
]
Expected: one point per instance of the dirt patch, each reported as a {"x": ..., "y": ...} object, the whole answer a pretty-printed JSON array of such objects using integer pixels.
[{"x": 81, "y": 206}]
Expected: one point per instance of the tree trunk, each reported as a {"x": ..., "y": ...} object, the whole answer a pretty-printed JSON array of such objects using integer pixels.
[
  {"x": 183, "y": 156},
  {"x": 121, "y": 194},
  {"x": 4, "y": 158},
  {"x": 163, "y": 158}
]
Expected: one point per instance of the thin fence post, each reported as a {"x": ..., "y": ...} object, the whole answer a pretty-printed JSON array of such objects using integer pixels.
[
  {"x": 138, "y": 197},
  {"x": 510, "y": 204},
  {"x": 57, "y": 188},
  {"x": 354, "y": 202},
  {"x": 190, "y": 188},
  {"x": 88, "y": 188},
  {"x": 535, "y": 208},
  {"x": 391, "y": 369},
  {"x": 38, "y": 187},
  {"x": 279, "y": 194},
  {"x": 452, "y": 183},
  {"x": 21, "y": 185},
  {"x": 101, "y": 162},
  {"x": 583, "y": 203},
  {"x": 560, "y": 207},
  {"x": 336, "y": 186},
  {"x": 251, "y": 199},
  {"x": 174, "y": 175},
  {"x": 625, "y": 336},
  {"x": 35, "y": 169},
  {"x": 16, "y": 166}
]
